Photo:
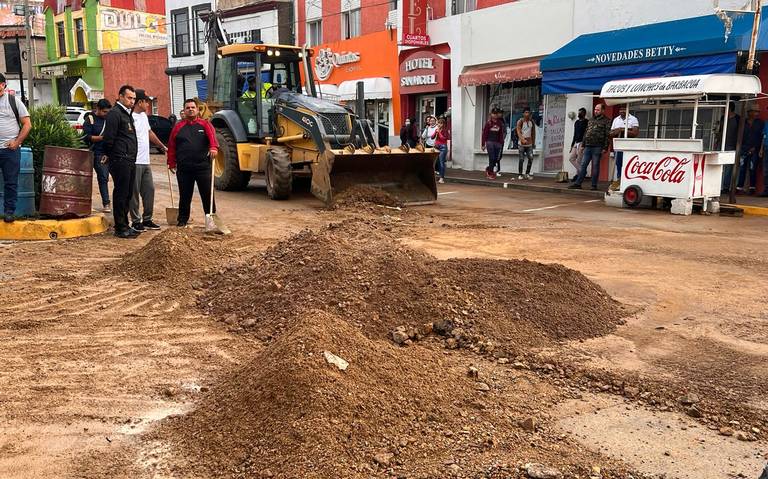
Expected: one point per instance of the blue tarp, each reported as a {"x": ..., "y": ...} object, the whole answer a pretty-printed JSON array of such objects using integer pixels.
[{"x": 687, "y": 47}]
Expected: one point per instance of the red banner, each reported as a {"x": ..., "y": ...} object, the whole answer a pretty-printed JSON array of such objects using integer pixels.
[{"x": 414, "y": 25}]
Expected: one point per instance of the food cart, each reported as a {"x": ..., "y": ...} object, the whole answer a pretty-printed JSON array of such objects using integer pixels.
[{"x": 676, "y": 166}]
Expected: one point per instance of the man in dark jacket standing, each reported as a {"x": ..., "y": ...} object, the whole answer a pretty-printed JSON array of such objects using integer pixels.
[
  {"x": 120, "y": 147},
  {"x": 191, "y": 149},
  {"x": 595, "y": 144}
]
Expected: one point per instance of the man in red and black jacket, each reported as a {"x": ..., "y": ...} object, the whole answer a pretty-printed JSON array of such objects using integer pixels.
[{"x": 191, "y": 149}]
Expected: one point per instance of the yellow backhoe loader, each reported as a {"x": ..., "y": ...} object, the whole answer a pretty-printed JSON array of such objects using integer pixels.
[{"x": 269, "y": 121}]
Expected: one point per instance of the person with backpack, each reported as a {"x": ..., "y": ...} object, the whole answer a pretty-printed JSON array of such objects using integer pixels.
[
  {"x": 93, "y": 131},
  {"x": 526, "y": 132},
  {"x": 15, "y": 125}
]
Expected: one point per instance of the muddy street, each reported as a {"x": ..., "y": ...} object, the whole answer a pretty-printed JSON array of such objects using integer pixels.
[{"x": 488, "y": 335}]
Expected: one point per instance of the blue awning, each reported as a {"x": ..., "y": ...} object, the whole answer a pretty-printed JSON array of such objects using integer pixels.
[
  {"x": 593, "y": 79},
  {"x": 686, "y": 47}
]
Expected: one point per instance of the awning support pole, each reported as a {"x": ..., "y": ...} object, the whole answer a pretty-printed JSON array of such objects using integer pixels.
[
  {"x": 656, "y": 126},
  {"x": 725, "y": 120},
  {"x": 695, "y": 117}
]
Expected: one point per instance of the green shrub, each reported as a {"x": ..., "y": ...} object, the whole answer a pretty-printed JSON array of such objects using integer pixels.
[{"x": 49, "y": 127}]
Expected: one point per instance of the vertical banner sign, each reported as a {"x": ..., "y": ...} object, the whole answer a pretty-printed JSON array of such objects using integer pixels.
[
  {"x": 414, "y": 23},
  {"x": 554, "y": 132}
]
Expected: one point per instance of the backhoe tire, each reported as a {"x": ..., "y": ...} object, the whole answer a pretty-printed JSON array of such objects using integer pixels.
[
  {"x": 279, "y": 174},
  {"x": 229, "y": 178}
]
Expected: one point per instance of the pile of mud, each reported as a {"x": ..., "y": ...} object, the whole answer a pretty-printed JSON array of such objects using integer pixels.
[
  {"x": 360, "y": 272},
  {"x": 393, "y": 412},
  {"x": 362, "y": 196},
  {"x": 174, "y": 255}
]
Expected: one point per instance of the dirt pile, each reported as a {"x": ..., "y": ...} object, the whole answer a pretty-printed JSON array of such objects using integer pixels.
[
  {"x": 174, "y": 255},
  {"x": 363, "y": 196},
  {"x": 393, "y": 412},
  {"x": 360, "y": 272}
]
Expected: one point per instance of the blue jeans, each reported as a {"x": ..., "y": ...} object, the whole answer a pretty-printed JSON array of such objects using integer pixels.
[
  {"x": 591, "y": 154},
  {"x": 727, "y": 176},
  {"x": 102, "y": 177},
  {"x": 748, "y": 161},
  {"x": 443, "y": 149},
  {"x": 10, "y": 165},
  {"x": 619, "y": 163}
]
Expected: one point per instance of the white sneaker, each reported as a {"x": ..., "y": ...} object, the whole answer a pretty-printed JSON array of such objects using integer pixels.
[
  {"x": 520, "y": 177},
  {"x": 498, "y": 174},
  {"x": 441, "y": 181},
  {"x": 528, "y": 177}
]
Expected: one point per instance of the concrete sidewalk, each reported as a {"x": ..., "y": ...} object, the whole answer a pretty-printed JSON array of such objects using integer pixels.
[{"x": 752, "y": 205}]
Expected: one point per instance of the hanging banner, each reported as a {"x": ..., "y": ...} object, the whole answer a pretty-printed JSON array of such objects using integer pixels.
[
  {"x": 129, "y": 29},
  {"x": 414, "y": 23},
  {"x": 554, "y": 132}
]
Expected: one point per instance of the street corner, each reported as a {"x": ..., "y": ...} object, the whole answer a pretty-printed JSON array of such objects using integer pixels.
[{"x": 40, "y": 230}]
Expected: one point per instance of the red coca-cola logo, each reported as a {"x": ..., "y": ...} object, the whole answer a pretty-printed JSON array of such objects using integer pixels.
[{"x": 668, "y": 169}]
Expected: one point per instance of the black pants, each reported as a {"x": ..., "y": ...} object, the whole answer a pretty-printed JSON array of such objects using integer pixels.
[
  {"x": 123, "y": 176},
  {"x": 187, "y": 177}
]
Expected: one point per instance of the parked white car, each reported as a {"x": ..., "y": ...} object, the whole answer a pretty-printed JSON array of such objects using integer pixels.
[{"x": 76, "y": 116}]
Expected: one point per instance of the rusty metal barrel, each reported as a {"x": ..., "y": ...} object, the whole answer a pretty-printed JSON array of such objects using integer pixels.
[{"x": 66, "y": 185}]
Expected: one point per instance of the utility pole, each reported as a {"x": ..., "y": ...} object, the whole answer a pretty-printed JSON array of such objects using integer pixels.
[
  {"x": 21, "y": 68},
  {"x": 743, "y": 110},
  {"x": 30, "y": 56}
]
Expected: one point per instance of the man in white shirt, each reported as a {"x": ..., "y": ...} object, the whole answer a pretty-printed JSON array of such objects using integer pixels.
[
  {"x": 620, "y": 123},
  {"x": 144, "y": 186}
]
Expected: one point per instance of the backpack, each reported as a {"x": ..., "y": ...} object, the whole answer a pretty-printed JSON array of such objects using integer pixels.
[{"x": 14, "y": 107}]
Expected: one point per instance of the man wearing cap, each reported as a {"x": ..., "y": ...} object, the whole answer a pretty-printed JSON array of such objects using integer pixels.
[
  {"x": 620, "y": 124},
  {"x": 144, "y": 187},
  {"x": 14, "y": 128}
]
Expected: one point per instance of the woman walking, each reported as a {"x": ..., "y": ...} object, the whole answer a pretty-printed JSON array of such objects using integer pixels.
[{"x": 441, "y": 137}]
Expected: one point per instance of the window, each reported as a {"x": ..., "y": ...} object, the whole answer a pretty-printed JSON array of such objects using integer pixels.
[
  {"x": 80, "y": 35},
  {"x": 392, "y": 5},
  {"x": 62, "y": 39},
  {"x": 180, "y": 31},
  {"x": 350, "y": 24},
  {"x": 463, "y": 6},
  {"x": 199, "y": 24},
  {"x": 513, "y": 98},
  {"x": 315, "y": 32}
]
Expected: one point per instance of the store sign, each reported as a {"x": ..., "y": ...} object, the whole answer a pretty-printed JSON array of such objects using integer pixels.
[
  {"x": 636, "y": 54},
  {"x": 327, "y": 60},
  {"x": 687, "y": 85},
  {"x": 127, "y": 29},
  {"x": 54, "y": 70},
  {"x": 668, "y": 169},
  {"x": 554, "y": 132},
  {"x": 422, "y": 72},
  {"x": 414, "y": 24}
]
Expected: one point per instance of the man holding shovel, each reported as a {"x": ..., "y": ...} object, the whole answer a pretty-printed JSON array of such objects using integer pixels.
[{"x": 191, "y": 149}]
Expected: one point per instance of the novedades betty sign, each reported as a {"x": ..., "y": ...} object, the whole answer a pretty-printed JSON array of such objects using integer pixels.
[
  {"x": 327, "y": 60},
  {"x": 636, "y": 54}
]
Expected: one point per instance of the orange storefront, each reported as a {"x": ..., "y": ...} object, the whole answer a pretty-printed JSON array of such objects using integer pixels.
[{"x": 373, "y": 60}]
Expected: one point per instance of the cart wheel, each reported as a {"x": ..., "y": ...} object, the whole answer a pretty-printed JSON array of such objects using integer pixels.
[{"x": 633, "y": 195}]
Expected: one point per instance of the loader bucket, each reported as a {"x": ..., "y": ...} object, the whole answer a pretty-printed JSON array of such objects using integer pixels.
[{"x": 408, "y": 176}]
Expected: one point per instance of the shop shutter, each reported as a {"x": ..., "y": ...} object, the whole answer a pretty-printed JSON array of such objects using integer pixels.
[{"x": 177, "y": 94}]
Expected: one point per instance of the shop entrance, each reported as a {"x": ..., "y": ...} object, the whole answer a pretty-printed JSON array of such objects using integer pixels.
[
  {"x": 434, "y": 105},
  {"x": 378, "y": 112}
]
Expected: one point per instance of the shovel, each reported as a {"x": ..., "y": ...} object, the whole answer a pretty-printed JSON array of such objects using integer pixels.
[
  {"x": 214, "y": 224},
  {"x": 172, "y": 213}
]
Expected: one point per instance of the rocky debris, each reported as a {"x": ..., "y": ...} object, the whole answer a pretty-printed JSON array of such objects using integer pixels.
[
  {"x": 358, "y": 270},
  {"x": 528, "y": 424},
  {"x": 689, "y": 399},
  {"x": 175, "y": 256},
  {"x": 335, "y": 360},
  {"x": 383, "y": 459},
  {"x": 473, "y": 372},
  {"x": 743, "y": 436},
  {"x": 540, "y": 471},
  {"x": 693, "y": 411},
  {"x": 726, "y": 431},
  {"x": 482, "y": 387},
  {"x": 361, "y": 196}
]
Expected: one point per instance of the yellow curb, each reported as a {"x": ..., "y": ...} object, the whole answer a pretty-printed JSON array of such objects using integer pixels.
[
  {"x": 751, "y": 210},
  {"x": 36, "y": 230}
]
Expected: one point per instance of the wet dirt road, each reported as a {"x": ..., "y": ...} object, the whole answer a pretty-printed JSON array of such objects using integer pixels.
[{"x": 89, "y": 361}]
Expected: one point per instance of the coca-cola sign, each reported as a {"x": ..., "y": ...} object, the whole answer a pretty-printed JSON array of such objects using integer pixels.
[{"x": 669, "y": 169}]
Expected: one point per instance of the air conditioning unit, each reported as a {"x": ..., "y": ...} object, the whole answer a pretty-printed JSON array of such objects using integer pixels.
[{"x": 392, "y": 20}]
